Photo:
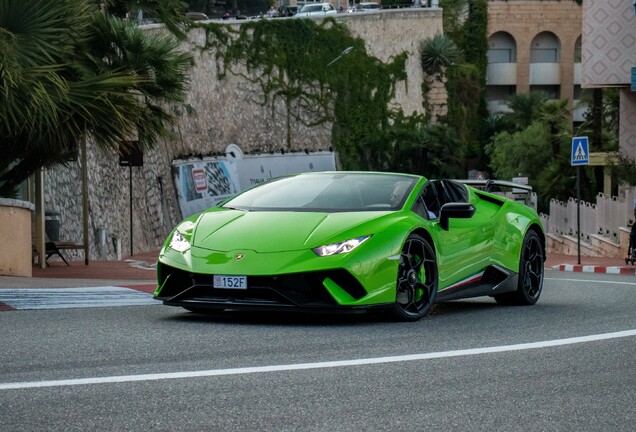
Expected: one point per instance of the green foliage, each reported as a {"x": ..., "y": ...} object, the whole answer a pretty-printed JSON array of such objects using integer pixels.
[
  {"x": 310, "y": 67},
  {"x": 528, "y": 152},
  {"x": 609, "y": 115},
  {"x": 465, "y": 23},
  {"x": 473, "y": 38},
  {"x": 437, "y": 53},
  {"x": 422, "y": 148},
  {"x": 524, "y": 152},
  {"x": 624, "y": 170},
  {"x": 524, "y": 109},
  {"x": 453, "y": 11},
  {"x": 73, "y": 72},
  {"x": 534, "y": 139},
  {"x": 169, "y": 12},
  {"x": 464, "y": 103}
]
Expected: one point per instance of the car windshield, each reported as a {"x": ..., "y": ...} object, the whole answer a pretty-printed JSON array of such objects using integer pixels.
[
  {"x": 328, "y": 192},
  {"x": 312, "y": 8}
]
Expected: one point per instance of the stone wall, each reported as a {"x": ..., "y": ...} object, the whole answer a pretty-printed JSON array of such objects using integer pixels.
[{"x": 216, "y": 113}]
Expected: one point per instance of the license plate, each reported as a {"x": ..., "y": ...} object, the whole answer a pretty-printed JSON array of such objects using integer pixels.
[{"x": 230, "y": 282}]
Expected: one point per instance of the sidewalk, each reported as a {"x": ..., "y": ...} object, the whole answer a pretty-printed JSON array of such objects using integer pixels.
[
  {"x": 139, "y": 271},
  {"x": 137, "y": 267},
  {"x": 589, "y": 264}
]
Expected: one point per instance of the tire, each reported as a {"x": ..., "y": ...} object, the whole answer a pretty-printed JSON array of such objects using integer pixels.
[
  {"x": 531, "y": 273},
  {"x": 416, "y": 285}
]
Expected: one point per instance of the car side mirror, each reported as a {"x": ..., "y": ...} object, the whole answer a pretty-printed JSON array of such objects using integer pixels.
[{"x": 457, "y": 210}]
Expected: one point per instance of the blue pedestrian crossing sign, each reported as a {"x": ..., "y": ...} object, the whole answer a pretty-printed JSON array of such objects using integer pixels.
[{"x": 580, "y": 151}]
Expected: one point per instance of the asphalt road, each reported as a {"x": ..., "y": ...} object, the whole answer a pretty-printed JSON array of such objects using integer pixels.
[{"x": 567, "y": 363}]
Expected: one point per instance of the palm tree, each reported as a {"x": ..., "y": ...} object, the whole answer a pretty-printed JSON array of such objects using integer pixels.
[
  {"x": 168, "y": 12},
  {"x": 71, "y": 72},
  {"x": 438, "y": 52},
  {"x": 555, "y": 115},
  {"x": 524, "y": 108}
]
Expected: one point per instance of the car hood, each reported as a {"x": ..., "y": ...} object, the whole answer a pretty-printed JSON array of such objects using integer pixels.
[{"x": 267, "y": 231}]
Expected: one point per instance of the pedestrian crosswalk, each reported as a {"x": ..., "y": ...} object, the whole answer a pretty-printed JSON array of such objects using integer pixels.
[{"x": 61, "y": 298}]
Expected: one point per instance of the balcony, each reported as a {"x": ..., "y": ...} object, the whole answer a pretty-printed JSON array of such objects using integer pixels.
[
  {"x": 545, "y": 74},
  {"x": 502, "y": 74},
  {"x": 577, "y": 74}
]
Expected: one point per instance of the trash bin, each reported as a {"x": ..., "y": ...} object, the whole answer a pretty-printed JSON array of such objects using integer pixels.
[{"x": 52, "y": 225}]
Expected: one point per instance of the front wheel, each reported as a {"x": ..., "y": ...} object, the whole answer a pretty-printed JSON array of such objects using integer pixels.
[
  {"x": 530, "y": 281},
  {"x": 416, "y": 285}
]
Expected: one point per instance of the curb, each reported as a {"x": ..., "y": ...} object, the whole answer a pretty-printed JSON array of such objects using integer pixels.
[{"x": 596, "y": 269}]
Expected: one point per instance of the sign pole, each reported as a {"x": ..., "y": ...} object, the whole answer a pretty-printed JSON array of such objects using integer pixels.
[
  {"x": 130, "y": 155},
  {"x": 130, "y": 191},
  {"x": 580, "y": 156},
  {"x": 578, "y": 214}
]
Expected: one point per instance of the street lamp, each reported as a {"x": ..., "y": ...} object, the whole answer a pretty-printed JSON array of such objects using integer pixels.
[{"x": 343, "y": 53}]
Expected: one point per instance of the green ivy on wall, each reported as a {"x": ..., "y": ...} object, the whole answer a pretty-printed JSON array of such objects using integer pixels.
[
  {"x": 322, "y": 74},
  {"x": 466, "y": 23}
]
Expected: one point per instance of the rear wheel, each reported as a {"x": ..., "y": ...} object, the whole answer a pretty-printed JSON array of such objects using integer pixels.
[
  {"x": 416, "y": 286},
  {"x": 530, "y": 281}
]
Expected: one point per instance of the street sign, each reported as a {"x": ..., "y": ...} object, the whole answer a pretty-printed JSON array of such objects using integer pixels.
[
  {"x": 131, "y": 154},
  {"x": 580, "y": 151}
]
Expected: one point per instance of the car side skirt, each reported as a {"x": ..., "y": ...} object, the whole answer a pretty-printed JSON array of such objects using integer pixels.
[{"x": 492, "y": 281}]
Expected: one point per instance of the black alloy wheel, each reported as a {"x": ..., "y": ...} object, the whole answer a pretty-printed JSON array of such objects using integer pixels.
[
  {"x": 416, "y": 286},
  {"x": 531, "y": 270}
]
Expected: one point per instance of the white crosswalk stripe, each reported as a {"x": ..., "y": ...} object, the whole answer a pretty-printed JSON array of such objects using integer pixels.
[{"x": 58, "y": 298}]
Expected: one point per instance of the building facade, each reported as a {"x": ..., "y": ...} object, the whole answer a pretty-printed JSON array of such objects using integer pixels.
[
  {"x": 534, "y": 46},
  {"x": 609, "y": 57}
]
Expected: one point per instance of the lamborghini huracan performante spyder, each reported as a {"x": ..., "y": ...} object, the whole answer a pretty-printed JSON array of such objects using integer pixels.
[{"x": 353, "y": 241}]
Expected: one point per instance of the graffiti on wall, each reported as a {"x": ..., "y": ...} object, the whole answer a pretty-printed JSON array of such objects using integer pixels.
[{"x": 203, "y": 183}]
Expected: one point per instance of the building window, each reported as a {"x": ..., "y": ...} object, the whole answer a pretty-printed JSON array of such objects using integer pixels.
[{"x": 545, "y": 48}]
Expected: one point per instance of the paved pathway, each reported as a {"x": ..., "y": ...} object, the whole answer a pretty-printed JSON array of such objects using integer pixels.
[{"x": 78, "y": 297}]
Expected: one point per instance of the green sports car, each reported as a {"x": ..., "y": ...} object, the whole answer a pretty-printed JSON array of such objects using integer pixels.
[{"x": 353, "y": 241}]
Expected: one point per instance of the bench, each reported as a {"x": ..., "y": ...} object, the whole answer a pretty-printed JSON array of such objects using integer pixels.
[{"x": 56, "y": 248}]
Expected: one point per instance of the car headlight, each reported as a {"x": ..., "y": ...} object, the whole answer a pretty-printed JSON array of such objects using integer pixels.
[
  {"x": 341, "y": 247},
  {"x": 178, "y": 242}
]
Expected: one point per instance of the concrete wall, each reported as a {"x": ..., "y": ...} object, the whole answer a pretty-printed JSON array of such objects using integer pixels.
[
  {"x": 15, "y": 232},
  {"x": 222, "y": 112}
]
